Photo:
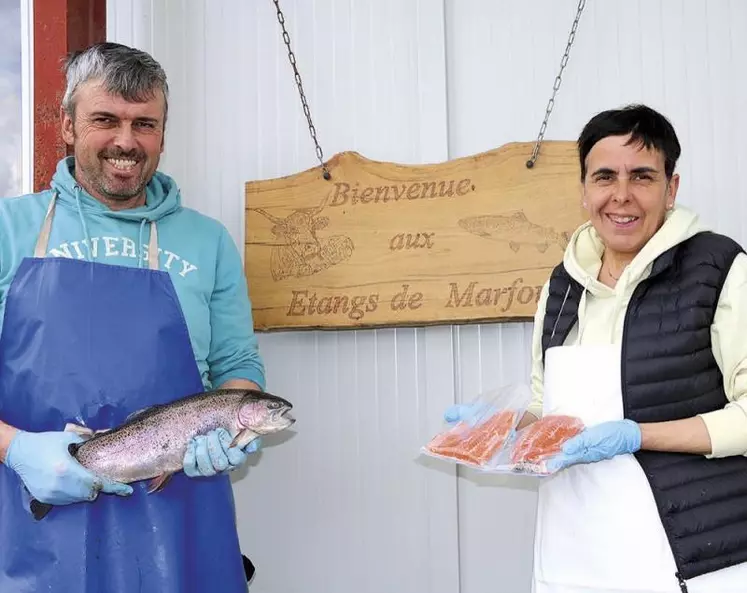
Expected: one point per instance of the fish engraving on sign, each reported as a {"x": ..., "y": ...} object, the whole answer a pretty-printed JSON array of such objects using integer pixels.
[
  {"x": 301, "y": 251},
  {"x": 515, "y": 229}
]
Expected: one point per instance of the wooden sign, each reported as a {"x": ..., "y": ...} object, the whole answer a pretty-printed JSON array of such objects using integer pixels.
[{"x": 383, "y": 244}]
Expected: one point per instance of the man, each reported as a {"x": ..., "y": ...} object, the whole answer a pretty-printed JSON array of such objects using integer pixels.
[{"x": 129, "y": 300}]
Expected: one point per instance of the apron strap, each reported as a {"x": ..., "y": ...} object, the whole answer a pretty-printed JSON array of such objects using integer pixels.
[
  {"x": 153, "y": 247},
  {"x": 42, "y": 241}
]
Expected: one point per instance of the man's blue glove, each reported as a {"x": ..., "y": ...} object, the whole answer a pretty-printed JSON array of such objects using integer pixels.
[
  {"x": 208, "y": 455},
  {"x": 51, "y": 474},
  {"x": 603, "y": 441}
]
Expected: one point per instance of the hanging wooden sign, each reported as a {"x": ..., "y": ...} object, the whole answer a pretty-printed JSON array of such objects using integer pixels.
[{"x": 383, "y": 244}]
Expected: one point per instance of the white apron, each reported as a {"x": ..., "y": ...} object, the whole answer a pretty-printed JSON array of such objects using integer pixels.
[{"x": 598, "y": 528}]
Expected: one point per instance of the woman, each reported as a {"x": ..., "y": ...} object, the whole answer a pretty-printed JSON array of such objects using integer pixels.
[{"x": 640, "y": 332}]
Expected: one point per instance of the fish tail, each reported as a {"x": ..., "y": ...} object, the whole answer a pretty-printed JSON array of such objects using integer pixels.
[{"x": 39, "y": 509}]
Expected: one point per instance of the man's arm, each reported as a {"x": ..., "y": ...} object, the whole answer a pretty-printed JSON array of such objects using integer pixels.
[
  {"x": 240, "y": 384},
  {"x": 7, "y": 432},
  {"x": 234, "y": 350}
]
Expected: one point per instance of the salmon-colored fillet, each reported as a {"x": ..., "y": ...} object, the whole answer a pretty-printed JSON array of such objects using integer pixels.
[
  {"x": 544, "y": 438},
  {"x": 477, "y": 444}
]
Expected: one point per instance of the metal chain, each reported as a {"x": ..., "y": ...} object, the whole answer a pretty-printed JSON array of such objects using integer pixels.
[
  {"x": 556, "y": 85},
  {"x": 304, "y": 103}
]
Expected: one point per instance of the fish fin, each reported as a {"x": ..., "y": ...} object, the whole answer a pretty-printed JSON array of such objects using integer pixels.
[
  {"x": 82, "y": 431},
  {"x": 39, "y": 509},
  {"x": 139, "y": 412},
  {"x": 159, "y": 482},
  {"x": 519, "y": 215},
  {"x": 542, "y": 247},
  {"x": 514, "y": 246},
  {"x": 243, "y": 438},
  {"x": 72, "y": 448}
]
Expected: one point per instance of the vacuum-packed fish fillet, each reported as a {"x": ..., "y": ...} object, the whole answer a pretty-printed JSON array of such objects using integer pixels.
[
  {"x": 476, "y": 444},
  {"x": 544, "y": 438}
]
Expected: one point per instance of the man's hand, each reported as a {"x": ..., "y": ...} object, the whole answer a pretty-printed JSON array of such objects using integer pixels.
[
  {"x": 603, "y": 441},
  {"x": 51, "y": 474},
  {"x": 210, "y": 454},
  {"x": 7, "y": 433}
]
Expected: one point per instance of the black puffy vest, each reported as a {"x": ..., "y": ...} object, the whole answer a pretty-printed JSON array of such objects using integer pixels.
[{"x": 669, "y": 373}]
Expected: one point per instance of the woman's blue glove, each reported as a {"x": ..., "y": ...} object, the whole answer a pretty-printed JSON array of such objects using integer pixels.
[
  {"x": 468, "y": 413},
  {"x": 603, "y": 441},
  {"x": 208, "y": 455},
  {"x": 51, "y": 474}
]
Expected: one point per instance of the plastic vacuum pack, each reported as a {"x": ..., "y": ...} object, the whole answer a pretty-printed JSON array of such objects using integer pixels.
[{"x": 487, "y": 436}]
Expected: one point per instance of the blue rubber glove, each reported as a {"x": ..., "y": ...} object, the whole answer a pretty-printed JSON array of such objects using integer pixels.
[
  {"x": 209, "y": 455},
  {"x": 468, "y": 413},
  {"x": 597, "y": 443},
  {"x": 51, "y": 474}
]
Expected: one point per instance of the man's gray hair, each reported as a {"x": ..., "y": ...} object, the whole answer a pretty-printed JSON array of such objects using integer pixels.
[{"x": 124, "y": 71}]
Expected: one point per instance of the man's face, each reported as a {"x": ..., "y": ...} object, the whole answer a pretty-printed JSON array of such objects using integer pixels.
[
  {"x": 626, "y": 193},
  {"x": 117, "y": 144}
]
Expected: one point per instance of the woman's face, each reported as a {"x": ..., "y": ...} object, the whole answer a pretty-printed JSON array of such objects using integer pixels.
[{"x": 626, "y": 193}]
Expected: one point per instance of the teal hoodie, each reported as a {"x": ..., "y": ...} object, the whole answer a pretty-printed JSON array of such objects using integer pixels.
[{"x": 196, "y": 251}]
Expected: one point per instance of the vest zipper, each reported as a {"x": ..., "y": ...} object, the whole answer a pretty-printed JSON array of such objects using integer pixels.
[{"x": 626, "y": 407}]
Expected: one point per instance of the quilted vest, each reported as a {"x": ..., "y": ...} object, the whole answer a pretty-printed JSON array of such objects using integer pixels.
[{"x": 669, "y": 373}]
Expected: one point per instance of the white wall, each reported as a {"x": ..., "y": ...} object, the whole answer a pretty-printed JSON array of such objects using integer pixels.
[{"x": 344, "y": 505}]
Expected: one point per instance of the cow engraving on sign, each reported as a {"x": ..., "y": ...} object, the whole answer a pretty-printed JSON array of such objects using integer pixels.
[
  {"x": 301, "y": 251},
  {"x": 515, "y": 229}
]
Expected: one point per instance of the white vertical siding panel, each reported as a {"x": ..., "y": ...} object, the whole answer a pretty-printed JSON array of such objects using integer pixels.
[{"x": 723, "y": 111}]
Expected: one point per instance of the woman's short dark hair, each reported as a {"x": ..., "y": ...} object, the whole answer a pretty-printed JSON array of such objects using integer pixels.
[{"x": 646, "y": 126}]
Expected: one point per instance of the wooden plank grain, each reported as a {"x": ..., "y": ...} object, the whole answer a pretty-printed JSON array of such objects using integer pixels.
[{"x": 386, "y": 244}]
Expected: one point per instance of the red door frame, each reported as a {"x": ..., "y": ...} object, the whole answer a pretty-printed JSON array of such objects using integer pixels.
[{"x": 60, "y": 26}]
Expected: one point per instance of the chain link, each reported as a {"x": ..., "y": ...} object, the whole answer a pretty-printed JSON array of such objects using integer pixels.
[
  {"x": 556, "y": 85},
  {"x": 304, "y": 103}
]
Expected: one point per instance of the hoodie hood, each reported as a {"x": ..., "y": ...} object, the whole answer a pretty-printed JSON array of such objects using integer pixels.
[
  {"x": 583, "y": 258},
  {"x": 162, "y": 197}
]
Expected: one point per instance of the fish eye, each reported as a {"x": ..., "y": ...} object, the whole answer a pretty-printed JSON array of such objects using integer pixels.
[{"x": 273, "y": 405}]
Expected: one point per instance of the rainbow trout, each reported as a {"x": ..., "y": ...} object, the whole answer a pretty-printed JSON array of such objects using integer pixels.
[{"x": 151, "y": 443}]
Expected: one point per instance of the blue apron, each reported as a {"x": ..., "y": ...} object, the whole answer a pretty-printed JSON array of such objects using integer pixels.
[{"x": 90, "y": 343}]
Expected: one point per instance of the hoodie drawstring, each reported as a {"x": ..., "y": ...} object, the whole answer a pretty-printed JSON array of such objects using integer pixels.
[
  {"x": 560, "y": 313},
  {"x": 582, "y": 310},
  {"x": 89, "y": 244}
]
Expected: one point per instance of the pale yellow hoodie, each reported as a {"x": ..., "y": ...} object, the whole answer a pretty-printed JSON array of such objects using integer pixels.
[{"x": 602, "y": 312}]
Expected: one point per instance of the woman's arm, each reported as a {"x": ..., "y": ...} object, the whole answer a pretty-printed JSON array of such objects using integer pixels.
[{"x": 678, "y": 436}]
